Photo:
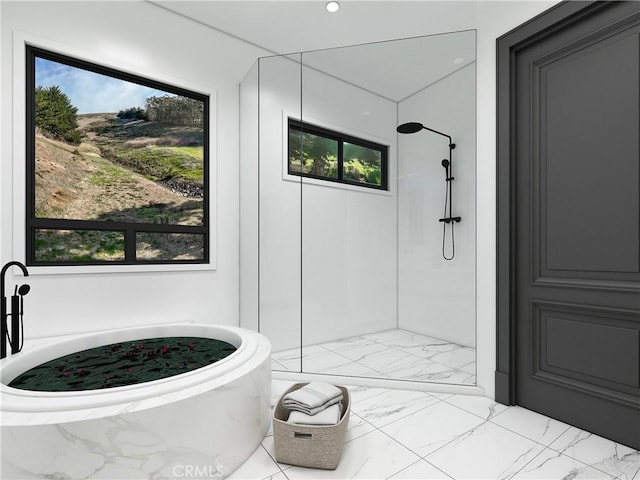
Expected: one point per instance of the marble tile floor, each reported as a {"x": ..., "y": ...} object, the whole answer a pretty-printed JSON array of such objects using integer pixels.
[
  {"x": 390, "y": 354},
  {"x": 401, "y": 434}
]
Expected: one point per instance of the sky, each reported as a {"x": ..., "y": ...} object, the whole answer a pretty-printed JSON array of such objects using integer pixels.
[{"x": 91, "y": 92}]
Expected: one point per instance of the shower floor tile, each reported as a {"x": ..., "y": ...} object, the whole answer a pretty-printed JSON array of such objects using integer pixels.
[
  {"x": 400, "y": 434},
  {"x": 390, "y": 354}
]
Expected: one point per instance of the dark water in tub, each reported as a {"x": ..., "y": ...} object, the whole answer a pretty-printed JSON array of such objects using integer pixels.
[{"x": 124, "y": 363}]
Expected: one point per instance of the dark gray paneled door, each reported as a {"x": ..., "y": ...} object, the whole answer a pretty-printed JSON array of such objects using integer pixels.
[{"x": 576, "y": 221}]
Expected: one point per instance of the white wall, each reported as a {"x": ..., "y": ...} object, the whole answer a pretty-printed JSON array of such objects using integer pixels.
[
  {"x": 148, "y": 40},
  {"x": 437, "y": 297},
  {"x": 494, "y": 19},
  {"x": 347, "y": 237}
]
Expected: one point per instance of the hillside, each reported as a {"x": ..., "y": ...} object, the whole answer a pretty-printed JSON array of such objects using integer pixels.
[{"x": 92, "y": 181}]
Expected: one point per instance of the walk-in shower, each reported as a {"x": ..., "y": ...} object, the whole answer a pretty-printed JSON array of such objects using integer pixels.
[{"x": 341, "y": 258}]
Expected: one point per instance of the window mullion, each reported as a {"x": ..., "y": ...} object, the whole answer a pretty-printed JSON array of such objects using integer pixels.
[
  {"x": 340, "y": 161},
  {"x": 130, "y": 245}
]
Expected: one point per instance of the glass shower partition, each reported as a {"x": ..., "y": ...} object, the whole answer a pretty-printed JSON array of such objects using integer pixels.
[
  {"x": 270, "y": 208},
  {"x": 349, "y": 218},
  {"x": 342, "y": 262}
]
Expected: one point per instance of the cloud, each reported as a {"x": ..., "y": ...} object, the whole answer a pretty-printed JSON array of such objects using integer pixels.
[{"x": 92, "y": 92}]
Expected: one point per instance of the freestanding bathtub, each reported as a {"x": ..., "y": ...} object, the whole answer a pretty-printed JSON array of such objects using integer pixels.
[{"x": 199, "y": 424}]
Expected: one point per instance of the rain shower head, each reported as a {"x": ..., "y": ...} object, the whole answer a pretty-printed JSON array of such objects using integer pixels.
[
  {"x": 411, "y": 127},
  {"x": 415, "y": 127}
]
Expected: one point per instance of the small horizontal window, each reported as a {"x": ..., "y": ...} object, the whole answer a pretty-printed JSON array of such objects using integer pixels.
[{"x": 323, "y": 154}]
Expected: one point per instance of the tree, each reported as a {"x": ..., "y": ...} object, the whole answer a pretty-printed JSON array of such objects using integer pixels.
[
  {"x": 176, "y": 110},
  {"x": 134, "y": 113},
  {"x": 56, "y": 115},
  {"x": 314, "y": 154}
]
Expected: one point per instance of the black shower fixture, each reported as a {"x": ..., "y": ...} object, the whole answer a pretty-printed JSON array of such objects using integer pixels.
[
  {"x": 411, "y": 127},
  {"x": 415, "y": 127},
  {"x": 16, "y": 340}
]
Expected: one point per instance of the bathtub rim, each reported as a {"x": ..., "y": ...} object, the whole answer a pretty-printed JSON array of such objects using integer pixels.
[
  {"x": 23, "y": 362},
  {"x": 22, "y": 407}
]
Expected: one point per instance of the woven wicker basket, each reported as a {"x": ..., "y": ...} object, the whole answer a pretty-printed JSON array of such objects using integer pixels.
[{"x": 315, "y": 446}]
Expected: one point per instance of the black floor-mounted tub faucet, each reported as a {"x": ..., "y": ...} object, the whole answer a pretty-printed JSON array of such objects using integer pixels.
[{"x": 17, "y": 311}]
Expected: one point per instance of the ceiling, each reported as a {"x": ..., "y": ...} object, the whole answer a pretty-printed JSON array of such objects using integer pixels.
[
  {"x": 397, "y": 69},
  {"x": 394, "y": 70}
]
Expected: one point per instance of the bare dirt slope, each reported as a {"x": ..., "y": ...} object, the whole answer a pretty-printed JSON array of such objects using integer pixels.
[{"x": 76, "y": 182}]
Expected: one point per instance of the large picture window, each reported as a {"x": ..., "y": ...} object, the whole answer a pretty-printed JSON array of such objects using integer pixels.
[
  {"x": 117, "y": 166},
  {"x": 324, "y": 154}
]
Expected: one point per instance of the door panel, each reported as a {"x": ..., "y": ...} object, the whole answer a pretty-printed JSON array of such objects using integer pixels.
[
  {"x": 588, "y": 130},
  {"x": 593, "y": 346},
  {"x": 576, "y": 221}
]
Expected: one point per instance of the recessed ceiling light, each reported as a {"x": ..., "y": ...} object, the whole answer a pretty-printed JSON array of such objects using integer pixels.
[{"x": 333, "y": 7}]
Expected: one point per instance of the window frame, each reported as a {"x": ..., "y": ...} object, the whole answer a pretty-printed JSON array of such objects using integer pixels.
[
  {"x": 129, "y": 229},
  {"x": 340, "y": 138}
]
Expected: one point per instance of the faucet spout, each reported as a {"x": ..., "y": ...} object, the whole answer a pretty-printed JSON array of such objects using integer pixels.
[
  {"x": 25, "y": 272},
  {"x": 16, "y": 312}
]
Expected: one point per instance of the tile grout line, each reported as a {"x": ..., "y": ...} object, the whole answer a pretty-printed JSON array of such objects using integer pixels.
[
  {"x": 545, "y": 445},
  {"x": 581, "y": 461},
  {"x": 405, "y": 333},
  {"x": 398, "y": 419},
  {"x": 391, "y": 347},
  {"x": 491, "y": 419},
  {"x": 275, "y": 462},
  {"x": 415, "y": 463},
  {"x": 351, "y": 360}
]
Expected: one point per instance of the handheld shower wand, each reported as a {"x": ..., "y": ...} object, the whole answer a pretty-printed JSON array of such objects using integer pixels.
[{"x": 445, "y": 164}]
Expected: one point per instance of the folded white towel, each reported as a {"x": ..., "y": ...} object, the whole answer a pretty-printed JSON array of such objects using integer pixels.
[
  {"x": 312, "y": 398},
  {"x": 328, "y": 416}
]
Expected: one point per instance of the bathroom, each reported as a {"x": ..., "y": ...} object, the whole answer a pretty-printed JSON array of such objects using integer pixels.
[{"x": 159, "y": 40}]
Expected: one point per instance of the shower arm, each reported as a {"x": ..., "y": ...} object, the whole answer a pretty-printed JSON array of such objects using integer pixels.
[{"x": 451, "y": 144}]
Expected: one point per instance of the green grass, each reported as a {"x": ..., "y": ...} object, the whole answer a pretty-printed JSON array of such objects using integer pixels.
[
  {"x": 195, "y": 152},
  {"x": 110, "y": 174},
  {"x": 188, "y": 213},
  {"x": 79, "y": 246},
  {"x": 160, "y": 163},
  {"x": 171, "y": 152}
]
